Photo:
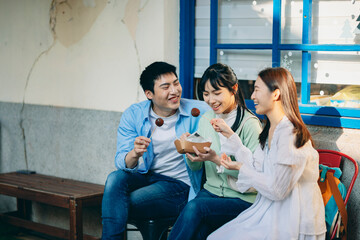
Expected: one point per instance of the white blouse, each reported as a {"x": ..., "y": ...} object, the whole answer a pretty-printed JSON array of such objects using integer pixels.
[{"x": 289, "y": 204}]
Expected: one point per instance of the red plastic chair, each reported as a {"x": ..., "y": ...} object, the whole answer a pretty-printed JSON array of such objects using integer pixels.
[{"x": 333, "y": 159}]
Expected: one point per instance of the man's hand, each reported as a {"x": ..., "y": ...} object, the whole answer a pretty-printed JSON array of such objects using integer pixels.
[
  {"x": 220, "y": 126},
  {"x": 210, "y": 155},
  {"x": 140, "y": 146}
]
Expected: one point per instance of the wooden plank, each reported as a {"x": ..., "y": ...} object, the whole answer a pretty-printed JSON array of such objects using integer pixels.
[
  {"x": 52, "y": 185},
  {"x": 41, "y": 228},
  {"x": 24, "y": 208},
  {"x": 86, "y": 186},
  {"x": 53, "y": 191},
  {"x": 37, "y": 227},
  {"x": 49, "y": 182},
  {"x": 76, "y": 230},
  {"x": 92, "y": 201},
  {"x": 36, "y": 195},
  {"x": 39, "y": 179}
]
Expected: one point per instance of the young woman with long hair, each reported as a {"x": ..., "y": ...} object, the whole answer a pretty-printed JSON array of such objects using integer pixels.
[
  {"x": 217, "y": 203},
  {"x": 284, "y": 169}
]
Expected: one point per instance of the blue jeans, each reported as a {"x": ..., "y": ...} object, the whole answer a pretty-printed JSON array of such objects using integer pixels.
[
  {"x": 139, "y": 196},
  {"x": 204, "y": 214}
]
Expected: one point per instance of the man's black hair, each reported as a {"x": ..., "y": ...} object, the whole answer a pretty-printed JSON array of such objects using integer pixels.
[{"x": 153, "y": 72}]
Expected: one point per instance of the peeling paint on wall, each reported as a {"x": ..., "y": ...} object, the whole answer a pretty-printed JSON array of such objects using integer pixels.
[
  {"x": 70, "y": 20},
  {"x": 90, "y": 73},
  {"x": 131, "y": 17}
]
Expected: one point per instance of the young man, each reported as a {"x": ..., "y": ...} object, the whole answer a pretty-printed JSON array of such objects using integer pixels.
[{"x": 152, "y": 180}]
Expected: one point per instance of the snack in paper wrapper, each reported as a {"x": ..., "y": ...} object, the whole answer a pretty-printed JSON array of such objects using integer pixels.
[{"x": 186, "y": 146}]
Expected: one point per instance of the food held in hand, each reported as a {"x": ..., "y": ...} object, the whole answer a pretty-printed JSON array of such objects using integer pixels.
[
  {"x": 195, "y": 112},
  {"x": 159, "y": 122},
  {"x": 186, "y": 145}
]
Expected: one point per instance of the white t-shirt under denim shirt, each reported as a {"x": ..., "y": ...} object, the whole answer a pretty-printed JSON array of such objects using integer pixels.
[{"x": 167, "y": 161}]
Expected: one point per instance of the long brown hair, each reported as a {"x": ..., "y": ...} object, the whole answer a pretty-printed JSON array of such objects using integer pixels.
[{"x": 280, "y": 78}]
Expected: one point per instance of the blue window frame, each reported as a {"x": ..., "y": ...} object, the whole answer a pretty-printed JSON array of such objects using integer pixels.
[{"x": 315, "y": 115}]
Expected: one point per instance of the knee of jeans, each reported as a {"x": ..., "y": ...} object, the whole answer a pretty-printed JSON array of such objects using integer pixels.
[
  {"x": 192, "y": 210},
  {"x": 115, "y": 180}
]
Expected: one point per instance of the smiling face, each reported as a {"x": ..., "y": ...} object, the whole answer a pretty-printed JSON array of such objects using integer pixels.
[
  {"x": 263, "y": 98},
  {"x": 220, "y": 100},
  {"x": 166, "y": 96}
]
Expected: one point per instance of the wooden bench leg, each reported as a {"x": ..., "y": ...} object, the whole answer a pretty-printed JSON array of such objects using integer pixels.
[
  {"x": 125, "y": 234},
  {"x": 76, "y": 228},
  {"x": 23, "y": 208}
]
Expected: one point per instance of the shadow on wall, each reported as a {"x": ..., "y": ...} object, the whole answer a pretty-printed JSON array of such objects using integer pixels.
[{"x": 326, "y": 138}]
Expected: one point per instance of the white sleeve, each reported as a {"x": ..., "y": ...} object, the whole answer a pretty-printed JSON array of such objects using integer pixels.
[
  {"x": 233, "y": 146},
  {"x": 286, "y": 167},
  {"x": 275, "y": 186}
]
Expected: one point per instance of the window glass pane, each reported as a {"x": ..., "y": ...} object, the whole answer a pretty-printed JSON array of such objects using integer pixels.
[
  {"x": 335, "y": 79},
  {"x": 336, "y": 22},
  {"x": 202, "y": 36},
  {"x": 246, "y": 65},
  {"x": 291, "y": 21},
  {"x": 245, "y": 21},
  {"x": 291, "y": 60}
]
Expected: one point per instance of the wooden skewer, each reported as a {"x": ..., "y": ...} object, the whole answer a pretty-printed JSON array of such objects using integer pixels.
[
  {"x": 195, "y": 112},
  {"x": 205, "y": 118},
  {"x": 153, "y": 131},
  {"x": 158, "y": 123}
]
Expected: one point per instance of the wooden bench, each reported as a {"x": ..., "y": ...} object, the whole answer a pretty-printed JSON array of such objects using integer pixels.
[{"x": 60, "y": 192}]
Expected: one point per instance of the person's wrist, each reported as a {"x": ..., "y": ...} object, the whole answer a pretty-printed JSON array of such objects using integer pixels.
[
  {"x": 131, "y": 159},
  {"x": 216, "y": 160},
  {"x": 238, "y": 166},
  {"x": 134, "y": 155},
  {"x": 228, "y": 134}
]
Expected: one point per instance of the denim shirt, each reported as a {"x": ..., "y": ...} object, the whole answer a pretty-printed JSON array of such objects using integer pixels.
[{"x": 135, "y": 122}]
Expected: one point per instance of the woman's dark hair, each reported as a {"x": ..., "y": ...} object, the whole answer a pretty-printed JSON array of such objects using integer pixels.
[
  {"x": 280, "y": 78},
  {"x": 153, "y": 72},
  {"x": 221, "y": 75}
]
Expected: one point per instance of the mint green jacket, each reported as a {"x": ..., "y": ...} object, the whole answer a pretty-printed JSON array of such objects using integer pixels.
[{"x": 216, "y": 183}]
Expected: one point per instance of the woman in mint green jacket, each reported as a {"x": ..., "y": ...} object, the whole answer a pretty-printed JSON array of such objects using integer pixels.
[{"x": 217, "y": 203}]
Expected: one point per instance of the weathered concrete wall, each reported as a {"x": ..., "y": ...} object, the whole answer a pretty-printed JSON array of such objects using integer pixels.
[
  {"x": 68, "y": 68},
  {"x": 64, "y": 142}
]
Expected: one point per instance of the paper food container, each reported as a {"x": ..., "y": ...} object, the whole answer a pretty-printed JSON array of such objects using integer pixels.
[{"x": 186, "y": 146}]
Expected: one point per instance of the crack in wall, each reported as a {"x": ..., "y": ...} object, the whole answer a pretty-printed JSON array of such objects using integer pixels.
[
  {"x": 139, "y": 64},
  {"x": 139, "y": 89},
  {"x": 142, "y": 8},
  {"x": 131, "y": 25},
  {"x": 52, "y": 24}
]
